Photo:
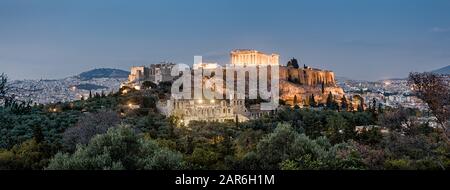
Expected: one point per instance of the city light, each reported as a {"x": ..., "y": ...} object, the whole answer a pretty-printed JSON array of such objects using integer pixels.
[
  {"x": 133, "y": 106},
  {"x": 183, "y": 123}
]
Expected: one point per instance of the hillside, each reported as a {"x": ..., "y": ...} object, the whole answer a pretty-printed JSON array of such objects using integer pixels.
[{"x": 443, "y": 71}]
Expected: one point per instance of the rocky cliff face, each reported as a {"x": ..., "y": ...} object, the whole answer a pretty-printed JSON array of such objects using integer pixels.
[
  {"x": 307, "y": 76},
  {"x": 305, "y": 82}
]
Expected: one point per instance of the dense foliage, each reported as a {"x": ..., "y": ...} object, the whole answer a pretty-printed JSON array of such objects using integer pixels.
[
  {"x": 120, "y": 148},
  {"x": 105, "y": 132}
]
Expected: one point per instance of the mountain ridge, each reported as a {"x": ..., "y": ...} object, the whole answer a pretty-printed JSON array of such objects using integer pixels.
[
  {"x": 103, "y": 73},
  {"x": 443, "y": 71}
]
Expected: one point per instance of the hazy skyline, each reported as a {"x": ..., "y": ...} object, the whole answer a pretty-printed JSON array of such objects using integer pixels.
[{"x": 358, "y": 39}]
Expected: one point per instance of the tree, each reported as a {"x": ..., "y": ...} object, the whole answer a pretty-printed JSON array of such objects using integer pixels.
[
  {"x": 120, "y": 148},
  {"x": 37, "y": 133},
  {"x": 395, "y": 119},
  {"x": 276, "y": 147},
  {"x": 374, "y": 105},
  {"x": 435, "y": 91},
  {"x": 330, "y": 101},
  {"x": 149, "y": 102},
  {"x": 87, "y": 127},
  {"x": 351, "y": 107},
  {"x": 380, "y": 108},
  {"x": 156, "y": 125},
  {"x": 323, "y": 87},
  {"x": 344, "y": 104},
  {"x": 8, "y": 99},
  {"x": 90, "y": 94},
  {"x": 338, "y": 130},
  {"x": 204, "y": 158},
  {"x": 416, "y": 152},
  {"x": 295, "y": 100},
  {"x": 149, "y": 84},
  {"x": 312, "y": 101},
  {"x": 371, "y": 136},
  {"x": 286, "y": 149},
  {"x": 296, "y": 103},
  {"x": 289, "y": 63},
  {"x": 29, "y": 155},
  {"x": 3, "y": 87},
  {"x": 373, "y": 157},
  {"x": 247, "y": 141},
  {"x": 361, "y": 105},
  {"x": 293, "y": 63}
]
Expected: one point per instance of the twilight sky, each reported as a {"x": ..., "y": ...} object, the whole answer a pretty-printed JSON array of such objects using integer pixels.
[{"x": 360, "y": 39}]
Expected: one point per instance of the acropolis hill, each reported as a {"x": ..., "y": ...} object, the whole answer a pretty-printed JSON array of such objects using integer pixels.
[
  {"x": 306, "y": 82},
  {"x": 297, "y": 84}
]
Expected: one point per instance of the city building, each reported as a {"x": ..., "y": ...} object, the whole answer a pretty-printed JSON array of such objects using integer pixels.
[
  {"x": 207, "y": 110},
  {"x": 155, "y": 73},
  {"x": 138, "y": 73}
]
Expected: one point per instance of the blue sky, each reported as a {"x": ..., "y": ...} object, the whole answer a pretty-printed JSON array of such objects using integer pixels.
[{"x": 361, "y": 39}]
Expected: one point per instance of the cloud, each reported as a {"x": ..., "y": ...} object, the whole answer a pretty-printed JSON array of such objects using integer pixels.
[{"x": 440, "y": 30}]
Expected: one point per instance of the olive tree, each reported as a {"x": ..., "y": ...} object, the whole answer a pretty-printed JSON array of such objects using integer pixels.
[{"x": 434, "y": 90}]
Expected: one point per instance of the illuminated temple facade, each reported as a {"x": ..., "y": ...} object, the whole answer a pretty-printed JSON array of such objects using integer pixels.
[
  {"x": 253, "y": 58},
  {"x": 208, "y": 110}
]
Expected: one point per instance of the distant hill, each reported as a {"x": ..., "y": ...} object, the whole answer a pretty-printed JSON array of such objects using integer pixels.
[
  {"x": 104, "y": 73},
  {"x": 443, "y": 71}
]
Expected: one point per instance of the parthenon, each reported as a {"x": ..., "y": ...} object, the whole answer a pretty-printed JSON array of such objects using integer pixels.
[{"x": 253, "y": 57}]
